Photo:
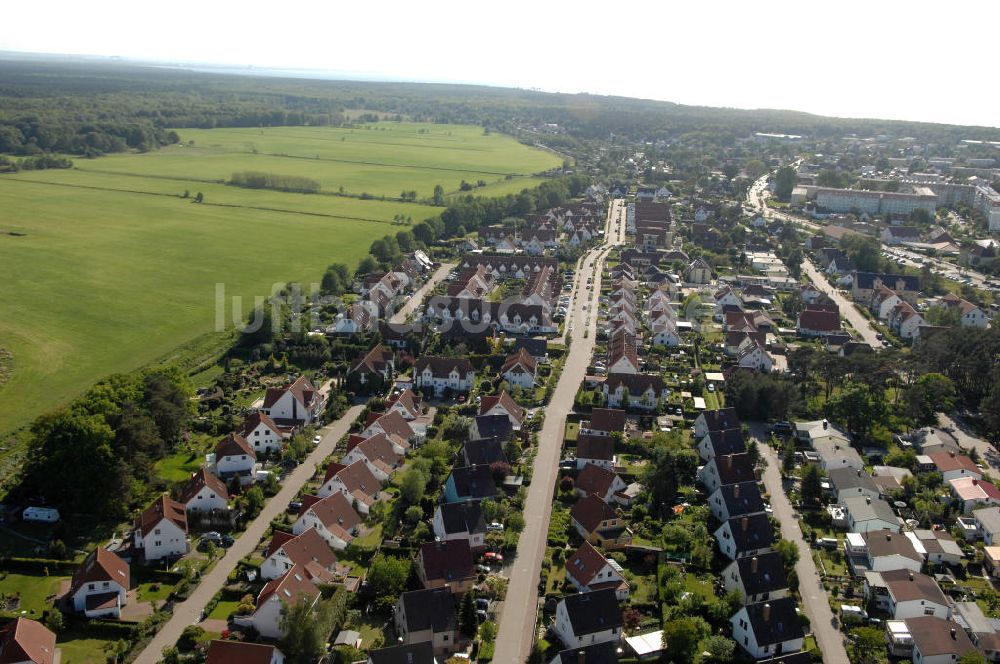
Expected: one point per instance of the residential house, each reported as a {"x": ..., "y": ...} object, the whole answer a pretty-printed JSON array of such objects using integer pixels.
[
  {"x": 847, "y": 482},
  {"x": 937, "y": 640},
  {"x": 308, "y": 550},
  {"x": 883, "y": 302},
  {"x": 373, "y": 372},
  {"x": 745, "y": 536},
  {"x": 598, "y": 653},
  {"x": 865, "y": 514},
  {"x": 601, "y": 482},
  {"x": 953, "y": 466},
  {"x": 332, "y": 517},
  {"x": 161, "y": 530},
  {"x": 905, "y": 321},
  {"x": 447, "y": 564},
  {"x": 378, "y": 454},
  {"x": 100, "y": 586},
  {"x": 407, "y": 653},
  {"x": 391, "y": 423},
  {"x": 242, "y": 652},
  {"x": 970, "y": 315},
  {"x": 767, "y": 629},
  {"x": 355, "y": 482},
  {"x": 596, "y": 450},
  {"x": 759, "y": 578},
  {"x": 263, "y": 434},
  {"x": 204, "y": 492},
  {"x": 642, "y": 391},
  {"x": 895, "y": 235},
  {"x": 698, "y": 272},
  {"x": 438, "y": 374},
  {"x": 726, "y": 469},
  {"x": 277, "y": 596},
  {"x": 864, "y": 283},
  {"x": 599, "y": 523},
  {"x": 971, "y": 493},
  {"x": 460, "y": 521},
  {"x": 938, "y": 547},
  {"x": 587, "y": 618},
  {"x": 715, "y": 420},
  {"x": 622, "y": 357},
  {"x": 604, "y": 421},
  {"x": 407, "y": 403},
  {"x": 25, "y": 641},
  {"x": 815, "y": 323},
  {"x": 881, "y": 551},
  {"x": 903, "y": 593},
  {"x": 812, "y": 432},
  {"x": 751, "y": 355},
  {"x": 988, "y": 523},
  {"x": 467, "y": 483},
  {"x": 428, "y": 616},
  {"x": 520, "y": 370},
  {"x": 588, "y": 570},
  {"x": 297, "y": 403},
  {"x": 234, "y": 457},
  {"x": 485, "y": 451},
  {"x": 503, "y": 404},
  {"x": 834, "y": 454},
  {"x": 735, "y": 500},
  {"x": 720, "y": 442}
]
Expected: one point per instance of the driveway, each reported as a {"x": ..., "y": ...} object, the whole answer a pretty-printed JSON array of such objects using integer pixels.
[
  {"x": 516, "y": 634},
  {"x": 814, "y": 596},
  {"x": 417, "y": 298},
  {"x": 189, "y": 611},
  {"x": 847, "y": 308}
]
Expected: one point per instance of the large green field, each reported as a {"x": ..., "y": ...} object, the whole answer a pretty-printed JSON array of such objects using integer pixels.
[{"x": 107, "y": 268}]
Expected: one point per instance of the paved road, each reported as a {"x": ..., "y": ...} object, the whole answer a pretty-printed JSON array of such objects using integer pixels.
[
  {"x": 417, "y": 298},
  {"x": 517, "y": 624},
  {"x": 814, "y": 597},
  {"x": 189, "y": 611},
  {"x": 968, "y": 440},
  {"x": 847, "y": 308}
]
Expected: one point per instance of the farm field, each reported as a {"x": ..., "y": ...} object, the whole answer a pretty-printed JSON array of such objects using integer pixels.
[{"x": 109, "y": 269}]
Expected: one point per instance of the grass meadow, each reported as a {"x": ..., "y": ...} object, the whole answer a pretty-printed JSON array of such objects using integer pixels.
[{"x": 107, "y": 268}]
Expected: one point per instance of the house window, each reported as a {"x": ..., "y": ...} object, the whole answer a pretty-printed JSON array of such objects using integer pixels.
[
  {"x": 156, "y": 531},
  {"x": 157, "y": 543},
  {"x": 91, "y": 586},
  {"x": 928, "y": 610}
]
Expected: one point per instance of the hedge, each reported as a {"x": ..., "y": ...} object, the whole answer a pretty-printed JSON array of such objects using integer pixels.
[{"x": 38, "y": 565}]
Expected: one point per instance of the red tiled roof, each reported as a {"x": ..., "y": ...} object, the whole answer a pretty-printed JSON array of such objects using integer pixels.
[
  {"x": 239, "y": 652},
  {"x": 589, "y": 446},
  {"x": 308, "y": 549},
  {"x": 505, "y": 401},
  {"x": 595, "y": 480},
  {"x": 100, "y": 565},
  {"x": 819, "y": 321},
  {"x": 521, "y": 357},
  {"x": 256, "y": 419},
  {"x": 585, "y": 563},
  {"x": 589, "y": 512},
  {"x": 163, "y": 508},
  {"x": 607, "y": 419},
  {"x": 234, "y": 445},
  {"x": 200, "y": 480},
  {"x": 24, "y": 640},
  {"x": 290, "y": 588},
  {"x": 948, "y": 461},
  {"x": 450, "y": 560}
]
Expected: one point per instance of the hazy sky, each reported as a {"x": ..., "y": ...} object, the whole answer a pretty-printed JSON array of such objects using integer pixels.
[{"x": 911, "y": 60}]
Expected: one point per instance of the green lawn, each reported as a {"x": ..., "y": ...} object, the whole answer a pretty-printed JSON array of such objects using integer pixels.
[
  {"x": 147, "y": 593},
  {"x": 82, "y": 651},
  {"x": 224, "y": 609},
  {"x": 178, "y": 467},
  {"x": 111, "y": 269},
  {"x": 36, "y": 592}
]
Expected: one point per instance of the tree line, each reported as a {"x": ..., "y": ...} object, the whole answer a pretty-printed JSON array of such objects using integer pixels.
[{"x": 260, "y": 180}]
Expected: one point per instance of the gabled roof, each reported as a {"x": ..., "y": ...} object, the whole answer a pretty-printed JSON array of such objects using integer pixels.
[
  {"x": 819, "y": 321},
  {"x": 256, "y": 419},
  {"x": 441, "y": 367},
  {"x": 239, "y": 652},
  {"x": 431, "y": 608},
  {"x": 462, "y": 517},
  {"x": 590, "y": 446},
  {"x": 485, "y": 451},
  {"x": 762, "y": 573},
  {"x": 723, "y": 418},
  {"x": 357, "y": 479},
  {"x": 598, "y": 653},
  {"x": 934, "y": 636},
  {"x": 408, "y": 399},
  {"x": 394, "y": 423},
  {"x": 734, "y": 468},
  {"x": 291, "y": 588},
  {"x": 726, "y": 441},
  {"x": 590, "y": 511},
  {"x": 336, "y": 513},
  {"x": 844, "y": 479},
  {"x": 905, "y": 586},
  {"x": 407, "y": 653},
  {"x": 300, "y": 388},
  {"x": 969, "y": 488},
  {"x": 862, "y": 508},
  {"x": 234, "y": 445},
  {"x": 379, "y": 451},
  {"x": 585, "y": 563},
  {"x": 24, "y": 640},
  {"x": 521, "y": 358},
  {"x": 201, "y": 479},
  {"x": 595, "y": 480},
  {"x": 100, "y": 565},
  {"x": 505, "y": 401},
  {"x": 450, "y": 560},
  {"x": 162, "y": 508},
  {"x": 886, "y": 543},
  {"x": 740, "y": 499},
  {"x": 775, "y": 621},
  {"x": 474, "y": 481},
  {"x": 751, "y": 532},
  {"x": 374, "y": 360},
  {"x": 593, "y": 612},
  {"x": 607, "y": 419},
  {"x": 493, "y": 426},
  {"x": 950, "y": 461}
]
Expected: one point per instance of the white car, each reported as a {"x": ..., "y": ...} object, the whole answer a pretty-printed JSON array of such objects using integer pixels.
[{"x": 317, "y": 440}]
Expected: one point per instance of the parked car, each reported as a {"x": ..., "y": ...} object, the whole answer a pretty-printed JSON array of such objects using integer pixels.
[
  {"x": 482, "y": 603},
  {"x": 294, "y": 507},
  {"x": 227, "y": 540},
  {"x": 212, "y": 536},
  {"x": 495, "y": 527},
  {"x": 317, "y": 440}
]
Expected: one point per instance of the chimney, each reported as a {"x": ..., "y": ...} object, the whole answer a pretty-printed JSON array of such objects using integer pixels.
[
  {"x": 911, "y": 575},
  {"x": 744, "y": 523},
  {"x": 825, "y": 424},
  {"x": 729, "y": 461},
  {"x": 765, "y": 612},
  {"x": 581, "y": 657},
  {"x": 868, "y": 500},
  {"x": 951, "y": 453},
  {"x": 753, "y": 565},
  {"x": 888, "y": 536},
  {"x": 736, "y": 491}
]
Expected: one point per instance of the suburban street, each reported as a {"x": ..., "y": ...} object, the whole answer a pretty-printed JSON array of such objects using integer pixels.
[
  {"x": 418, "y": 297},
  {"x": 189, "y": 611},
  {"x": 814, "y": 596},
  {"x": 969, "y": 441},
  {"x": 517, "y": 625},
  {"x": 847, "y": 308}
]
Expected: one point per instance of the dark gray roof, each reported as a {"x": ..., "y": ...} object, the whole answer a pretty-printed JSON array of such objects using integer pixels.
[
  {"x": 758, "y": 533},
  {"x": 488, "y": 450},
  {"x": 726, "y": 441},
  {"x": 724, "y": 418},
  {"x": 844, "y": 479},
  {"x": 782, "y": 623},
  {"x": 866, "y": 280},
  {"x": 493, "y": 426},
  {"x": 433, "y": 609},
  {"x": 462, "y": 518},
  {"x": 768, "y": 577},
  {"x": 537, "y": 348},
  {"x": 474, "y": 481},
  {"x": 593, "y": 612},
  {"x": 412, "y": 653},
  {"x": 734, "y": 468},
  {"x": 742, "y": 498},
  {"x": 598, "y": 653}
]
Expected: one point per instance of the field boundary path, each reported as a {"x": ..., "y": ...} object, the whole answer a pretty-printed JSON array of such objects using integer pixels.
[
  {"x": 813, "y": 594},
  {"x": 418, "y": 297},
  {"x": 516, "y": 634},
  {"x": 189, "y": 611}
]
